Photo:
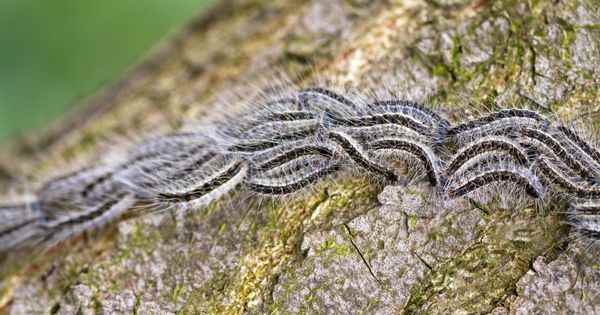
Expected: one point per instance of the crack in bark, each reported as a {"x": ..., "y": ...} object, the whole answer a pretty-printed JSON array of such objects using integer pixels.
[
  {"x": 362, "y": 257},
  {"x": 428, "y": 266}
]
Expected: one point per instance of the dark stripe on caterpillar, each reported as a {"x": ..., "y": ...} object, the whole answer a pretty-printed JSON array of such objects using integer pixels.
[
  {"x": 86, "y": 216},
  {"x": 292, "y": 155},
  {"x": 191, "y": 167},
  {"x": 586, "y": 225},
  {"x": 380, "y": 119},
  {"x": 424, "y": 154},
  {"x": 424, "y": 111},
  {"x": 256, "y": 122},
  {"x": 89, "y": 187},
  {"x": 19, "y": 224},
  {"x": 295, "y": 185},
  {"x": 222, "y": 177},
  {"x": 587, "y": 233},
  {"x": 584, "y": 146},
  {"x": 357, "y": 154},
  {"x": 288, "y": 116},
  {"x": 305, "y": 95},
  {"x": 259, "y": 145},
  {"x": 585, "y": 207},
  {"x": 486, "y": 145},
  {"x": 557, "y": 177},
  {"x": 557, "y": 149},
  {"x": 14, "y": 228},
  {"x": 503, "y": 114},
  {"x": 527, "y": 180}
]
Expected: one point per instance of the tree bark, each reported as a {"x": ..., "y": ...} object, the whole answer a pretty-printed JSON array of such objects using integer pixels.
[{"x": 346, "y": 246}]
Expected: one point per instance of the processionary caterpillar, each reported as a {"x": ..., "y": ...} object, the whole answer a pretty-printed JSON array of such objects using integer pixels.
[{"x": 295, "y": 140}]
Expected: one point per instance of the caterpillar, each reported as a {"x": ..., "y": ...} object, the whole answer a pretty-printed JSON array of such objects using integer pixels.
[
  {"x": 357, "y": 154},
  {"x": 19, "y": 224},
  {"x": 423, "y": 153},
  {"x": 585, "y": 220},
  {"x": 289, "y": 185},
  {"x": 506, "y": 114},
  {"x": 292, "y": 141},
  {"x": 487, "y": 144},
  {"x": 486, "y": 176}
]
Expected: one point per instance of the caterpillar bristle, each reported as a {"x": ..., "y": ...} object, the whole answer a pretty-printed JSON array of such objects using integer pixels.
[
  {"x": 485, "y": 145},
  {"x": 506, "y": 114},
  {"x": 357, "y": 153},
  {"x": 519, "y": 176},
  {"x": 422, "y": 153},
  {"x": 283, "y": 187},
  {"x": 554, "y": 175},
  {"x": 19, "y": 225},
  {"x": 281, "y": 141},
  {"x": 276, "y": 158},
  {"x": 56, "y": 231}
]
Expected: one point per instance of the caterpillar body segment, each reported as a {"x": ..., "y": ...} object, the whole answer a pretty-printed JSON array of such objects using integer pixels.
[
  {"x": 19, "y": 225},
  {"x": 584, "y": 217},
  {"x": 517, "y": 176},
  {"x": 509, "y": 127},
  {"x": 486, "y": 145},
  {"x": 94, "y": 218},
  {"x": 283, "y": 144},
  {"x": 382, "y": 119},
  {"x": 250, "y": 145},
  {"x": 220, "y": 177},
  {"x": 541, "y": 142},
  {"x": 552, "y": 144},
  {"x": 359, "y": 155},
  {"x": 164, "y": 171},
  {"x": 586, "y": 228},
  {"x": 572, "y": 135},
  {"x": 585, "y": 206},
  {"x": 325, "y": 99},
  {"x": 573, "y": 187},
  {"x": 422, "y": 113},
  {"x": 70, "y": 195},
  {"x": 585, "y": 152},
  {"x": 506, "y": 116},
  {"x": 205, "y": 182},
  {"x": 421, "y": 152},
  {"x": 297, "y": 150},
  {"x": 292, "y": 184}
]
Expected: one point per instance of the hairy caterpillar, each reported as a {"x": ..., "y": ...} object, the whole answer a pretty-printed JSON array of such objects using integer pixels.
[
  {"x": 423, "y": 153},
  {"x": 289, "y": 185},
  {"x": 507, "y": 114},
  {"x": 571, "y": 186},
  {"x": 358, "y": 154},
  {"x": 19, "y": 224},
  {"x": 585, "y": 220},
  {"x": 486, "y": 176},
  {"x": 292, "y": 141},
  {"x": 487, "y": 144},
  {"x": 298, "y": 151}
]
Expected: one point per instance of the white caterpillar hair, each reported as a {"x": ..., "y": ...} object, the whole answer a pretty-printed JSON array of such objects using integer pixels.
[{"x": 288, "y": 138}]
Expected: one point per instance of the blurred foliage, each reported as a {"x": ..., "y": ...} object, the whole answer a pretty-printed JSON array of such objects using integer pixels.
[{"x": 53, "y": 53}]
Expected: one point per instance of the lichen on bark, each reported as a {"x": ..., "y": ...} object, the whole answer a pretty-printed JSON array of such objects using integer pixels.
[{"x": 345, "y": 245}]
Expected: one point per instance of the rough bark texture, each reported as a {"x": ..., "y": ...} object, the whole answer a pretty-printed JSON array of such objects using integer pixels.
[{"x": 346, "y": 246}]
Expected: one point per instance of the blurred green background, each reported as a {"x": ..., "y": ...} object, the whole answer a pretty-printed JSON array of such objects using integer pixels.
[{"x": 53, "y": 53}]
